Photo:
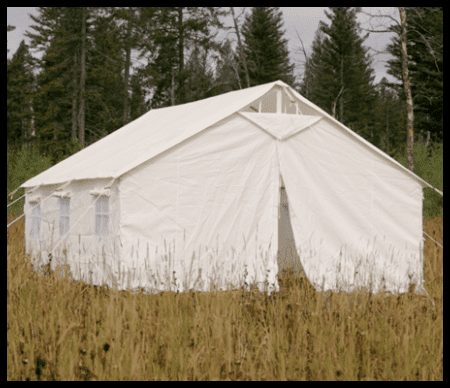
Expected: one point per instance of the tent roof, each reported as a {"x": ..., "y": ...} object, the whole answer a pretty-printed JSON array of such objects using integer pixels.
[{"x": 160, "y": 129}]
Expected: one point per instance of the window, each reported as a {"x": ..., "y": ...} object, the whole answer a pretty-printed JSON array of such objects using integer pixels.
[
  {"x": 101, "y": 216},
  {"x": 64, "y": 216},
  {"x": 36, "y": 221}
]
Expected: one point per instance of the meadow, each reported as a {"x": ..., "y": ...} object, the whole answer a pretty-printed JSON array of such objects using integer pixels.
[{"x": 60, "y": 329}]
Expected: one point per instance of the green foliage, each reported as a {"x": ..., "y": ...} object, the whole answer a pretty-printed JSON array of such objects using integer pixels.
[
  {"x": 390, "y": 113},
  {"x": 178, "y": 28},
  {"x": 59, "y": 102},
  {"x": 54, "y": 100},
  {"x": 339, "y": 73},
  {"x": 266, "y": 51},
  {"x": 22, "y": 165},
  {"x": 429, "y": 165},
  {"x": 71, "y": 148},
  {"x": 425, "y": 67},
  {"x": 226, "y": 79},
  {"x": 8, "y": 29},
  {"x": 27, "y": 162},
  {"x": 19, "y": 88}
]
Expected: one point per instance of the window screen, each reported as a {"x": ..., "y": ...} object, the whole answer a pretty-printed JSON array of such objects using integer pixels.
[
  {"x": 101, "y": 216},
  {"x": 64, "y": 215},
  {"x": 36, "y": 222}
]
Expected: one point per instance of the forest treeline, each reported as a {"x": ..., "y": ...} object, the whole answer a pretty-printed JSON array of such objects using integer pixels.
[{"x": 102, "y": 67}]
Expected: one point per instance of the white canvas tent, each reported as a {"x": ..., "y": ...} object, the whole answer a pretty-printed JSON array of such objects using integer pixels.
[{"x": 193, "y": 192}]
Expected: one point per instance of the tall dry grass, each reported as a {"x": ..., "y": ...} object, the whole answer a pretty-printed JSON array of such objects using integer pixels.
[{"x": 58, "y": 329}]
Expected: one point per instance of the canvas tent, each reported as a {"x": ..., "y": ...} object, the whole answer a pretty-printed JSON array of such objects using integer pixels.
[{"x": 188, "y": 194}]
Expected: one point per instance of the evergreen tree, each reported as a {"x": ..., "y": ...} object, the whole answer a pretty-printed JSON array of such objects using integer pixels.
[
  {"x": 318, "y": 75},
  {"x": 57, "y": 97},
  {"x": 105, "y": 79},
  {"x": 80, "y": 86},
  {"x": 173, "y": 32},
  {"x": 240, "y": 48},
  {"x": 20, "y": 83},
  {"x": 138, "y": 105},
  {"x": 200, "y": 78},
  {"x": 227, "y": 69},
  {"x": 128, "y": 25},
  {"x": 428, "y": 69},
  {"x": 425, "y": 65},
  {"x": 391, "y": 119},
  {"x": 265, "y": 49},
  {"x": 341, "y": 77},
  {"x": 8, "y": 29}
]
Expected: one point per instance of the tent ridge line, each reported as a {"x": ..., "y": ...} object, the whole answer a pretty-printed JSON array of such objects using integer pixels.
[{"x": 180, "y": 139}]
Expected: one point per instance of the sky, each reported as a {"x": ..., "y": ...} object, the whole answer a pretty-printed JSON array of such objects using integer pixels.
[{"x": 301, "y": 20}]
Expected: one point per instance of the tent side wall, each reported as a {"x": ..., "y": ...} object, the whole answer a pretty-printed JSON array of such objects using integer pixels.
[
  {"x": 214, "y": 196},
  {"x": 347, "y": 203},
  {"x": 83, "y": 246}
]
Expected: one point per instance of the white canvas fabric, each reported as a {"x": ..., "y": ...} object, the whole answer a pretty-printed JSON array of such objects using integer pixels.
[
  {"x": 214, "y": 192},
  {"x": 146, "y": 137},
  {"x": 196, "y": 193},
  {"x": 351, "y": 205}
]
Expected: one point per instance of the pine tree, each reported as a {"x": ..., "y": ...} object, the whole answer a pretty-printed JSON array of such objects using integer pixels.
[
  {"x": 174, "y": 31},
  {"x": 80, "y": 88},
  {"x": 341, "y": 77},
  {"x": 200, "y": 78},
  {"x": 138, "y": 105},
  {"x": 20, "y": 87},
  {"x": 105, "y": 73},
  {"x": 391, "y": 119},
  {"x": 8, "y": 29},
  {"x": 318, "y": 75},
  {"x": 57, "y": 36},
  {"x": 227, "y": 69},
  {"x": 128, "y": 23},
  {"x": 265, "y": 49},
  {"x": 425, "y": 65}
]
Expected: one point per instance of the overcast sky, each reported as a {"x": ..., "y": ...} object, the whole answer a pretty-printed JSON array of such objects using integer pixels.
[{"x": 303, "y": 19}]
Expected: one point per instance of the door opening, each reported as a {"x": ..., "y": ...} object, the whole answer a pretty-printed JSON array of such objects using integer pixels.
[{"x": 287, "y": 253}]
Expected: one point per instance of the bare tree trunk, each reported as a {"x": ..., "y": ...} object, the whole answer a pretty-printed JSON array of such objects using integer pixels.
[
  {"x": 409, "y": 101},
  {"x": 306, "y": 77},
  {"x": 83, "y": 78},
  {"x": 241, "y": 50},
  {"x": 55, "y": 130},
  {"x": 387, "y": 127},
  {"x": 173, "y": 89},
  {"x": 74, "y": 104},
  {"x": 333, "y": 109},
  {"x": 126, "y": 114},
  {"x": 28, "y": 123},
  {"x": 341, "y": 102},
  {"x": 24, "y": 123},
  {"x": 33, "y": 130},
  {"x": 235, "y": 68},
  {"x": 181, "y": 93}
]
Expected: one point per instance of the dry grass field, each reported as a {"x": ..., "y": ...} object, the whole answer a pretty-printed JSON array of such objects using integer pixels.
[{"x": 59, "y": 329}]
